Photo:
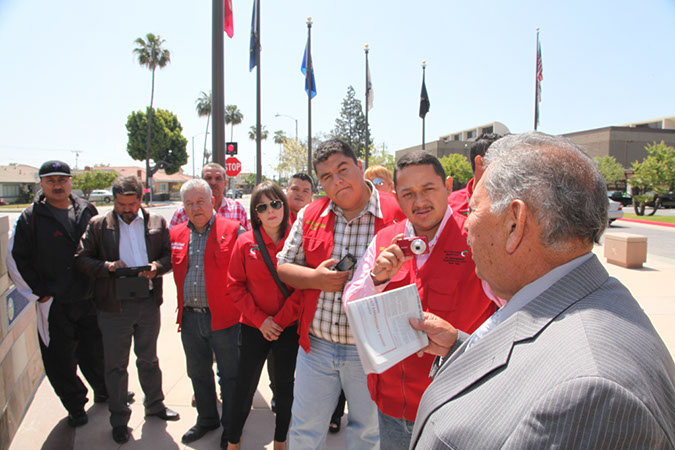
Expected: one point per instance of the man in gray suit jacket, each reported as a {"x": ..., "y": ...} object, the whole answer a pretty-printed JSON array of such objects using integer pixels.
[{"x": 571, "y": 360}]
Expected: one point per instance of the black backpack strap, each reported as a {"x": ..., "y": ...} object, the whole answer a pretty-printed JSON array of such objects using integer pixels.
[{"x": 268, "y": 263}]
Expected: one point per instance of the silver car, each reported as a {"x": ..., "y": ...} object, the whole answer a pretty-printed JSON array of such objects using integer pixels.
[
  {"x": 615, "y": 211},
  {"x": 100, "y": 195}
]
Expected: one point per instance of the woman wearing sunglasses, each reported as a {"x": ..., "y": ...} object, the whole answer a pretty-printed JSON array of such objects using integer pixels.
[{"x": 266, "y": 325}]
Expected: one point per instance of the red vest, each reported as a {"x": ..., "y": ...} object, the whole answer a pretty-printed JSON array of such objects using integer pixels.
[
  {"x": 459, "y": 200},
  {"x": 317, "y": 243},
  {"x": 217, "y": 253},
  {"x": 448, "y": 287}
]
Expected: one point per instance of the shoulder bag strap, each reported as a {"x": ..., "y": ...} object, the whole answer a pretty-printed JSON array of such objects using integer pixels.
[{"x": 268, "y": 262}]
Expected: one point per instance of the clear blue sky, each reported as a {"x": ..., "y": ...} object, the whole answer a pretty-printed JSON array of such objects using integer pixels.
[{"x": 69, "y": 78}]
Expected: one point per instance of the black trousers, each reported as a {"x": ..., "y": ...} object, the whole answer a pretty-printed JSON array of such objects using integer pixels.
[
  {"x": 253, "y": 352},
  {"x": 74, "y": 340}
]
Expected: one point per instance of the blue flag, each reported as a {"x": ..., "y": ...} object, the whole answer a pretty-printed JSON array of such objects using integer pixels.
[
  {"x": 253, "y": 59},
  {"x": 303, "y": 69}
]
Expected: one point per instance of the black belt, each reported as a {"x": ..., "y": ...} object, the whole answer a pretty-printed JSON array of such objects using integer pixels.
[{"x": 198, "y": 309}]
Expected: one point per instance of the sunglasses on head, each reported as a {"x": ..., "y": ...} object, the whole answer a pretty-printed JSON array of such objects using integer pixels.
[
  {"x": 378, "y": 181},
  {"x": 262, "y": 207}
]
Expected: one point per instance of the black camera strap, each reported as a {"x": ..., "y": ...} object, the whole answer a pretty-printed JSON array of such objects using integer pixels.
[{"x": 268, "y": 262}]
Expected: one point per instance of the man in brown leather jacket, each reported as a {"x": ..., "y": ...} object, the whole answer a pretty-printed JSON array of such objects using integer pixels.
[{"x": 128, "y": 236}]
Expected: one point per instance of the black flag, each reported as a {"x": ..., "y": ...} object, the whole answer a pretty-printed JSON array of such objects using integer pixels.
[{"x": 424, "y": 100}]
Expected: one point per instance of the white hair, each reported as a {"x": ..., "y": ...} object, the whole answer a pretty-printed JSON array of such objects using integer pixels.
[
  {"x": 555, "y": 178},
  {"x": 193, "y": 184}
]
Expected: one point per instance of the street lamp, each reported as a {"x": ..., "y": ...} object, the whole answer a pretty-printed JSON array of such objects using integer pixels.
[
  {"x": 292, "y": 118},
  {"x": 193, "y": 150}
]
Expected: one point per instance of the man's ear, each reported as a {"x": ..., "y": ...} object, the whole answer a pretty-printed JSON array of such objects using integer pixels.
[
  {"x": 516, "y": 219},
  {"x": 360, "y": 164}
]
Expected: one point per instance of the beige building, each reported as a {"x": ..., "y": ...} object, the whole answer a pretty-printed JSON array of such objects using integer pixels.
[
  {"x": 15, "y": 177},
  {"x": 626, "y": 143}
]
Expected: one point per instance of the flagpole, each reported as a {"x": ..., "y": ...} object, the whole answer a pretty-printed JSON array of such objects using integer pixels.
[
  {"x": 367, "y": 152},
  {"x": 218, "y": 83},
  {"x": 536, "y": 85},
  {"x": 258, "y": 140},
  {"x": 424, "y": 68},
  {"x": 308, "y": 79}
]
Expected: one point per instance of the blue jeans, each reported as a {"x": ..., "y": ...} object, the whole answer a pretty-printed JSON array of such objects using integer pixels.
[
  {"x": 319, "y": 376},
  {"x": 200, "y": 343},
  {"x": 394, "y": 433}
]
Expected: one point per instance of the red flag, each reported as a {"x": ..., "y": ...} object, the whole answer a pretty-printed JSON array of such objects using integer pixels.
[{"x": 229, "y": 23}]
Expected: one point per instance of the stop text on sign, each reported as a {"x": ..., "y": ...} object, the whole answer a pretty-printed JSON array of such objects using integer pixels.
[{"x": 232, "y": 167}]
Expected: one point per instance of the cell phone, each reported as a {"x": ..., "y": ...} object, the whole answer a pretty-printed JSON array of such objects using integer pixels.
[
  {"x": 346, "y": 263},
  {"x": 130, "y": 271}
]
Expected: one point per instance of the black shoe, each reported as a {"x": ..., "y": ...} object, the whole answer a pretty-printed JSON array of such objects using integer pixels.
[
  {"x": 121, "y": 434},
  {"x": 102, "y": 398},
  {"x": 196, "y": 433},
  {"x": 165, "y": 414},
  {"x": 334, "y": 426},
  {"x": 77, "y": 419}
]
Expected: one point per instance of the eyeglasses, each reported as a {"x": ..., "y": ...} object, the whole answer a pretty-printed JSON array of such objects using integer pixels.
[
  {"x": 262, "y": 207},
  {"x": 378, "y": 181}
]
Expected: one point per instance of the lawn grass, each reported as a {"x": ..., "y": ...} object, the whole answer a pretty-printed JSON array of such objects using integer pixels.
[{"x": 663, "y": 219}]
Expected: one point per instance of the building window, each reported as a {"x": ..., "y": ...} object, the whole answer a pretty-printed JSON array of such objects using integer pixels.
[
  {"x": 457, "y": 137},
  {"x": 487, "y": 130},
  {"x": 471, "y": 134}
]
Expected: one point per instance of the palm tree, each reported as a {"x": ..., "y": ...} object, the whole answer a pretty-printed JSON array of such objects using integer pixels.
[
  {"x": 279, "y": 138},
  {"x": 263, "y": 133},
  {"x": 204, "y": 109},
  {"x": 151, "y": 55},
  {"x": 233, "y": 116}
]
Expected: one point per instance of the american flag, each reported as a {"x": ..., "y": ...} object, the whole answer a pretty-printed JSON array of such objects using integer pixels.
[{"x": 539, "y": 78}]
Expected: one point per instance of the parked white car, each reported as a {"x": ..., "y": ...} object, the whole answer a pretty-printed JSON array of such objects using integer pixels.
[
  {"x": 615, "y": 211},
  {"x": 100, "y": 195}
]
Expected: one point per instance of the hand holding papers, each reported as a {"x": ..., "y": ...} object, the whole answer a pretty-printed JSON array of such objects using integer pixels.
[{"x": 381, "y": 328}]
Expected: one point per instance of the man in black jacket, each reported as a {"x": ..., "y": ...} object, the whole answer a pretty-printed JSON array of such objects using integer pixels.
[{"x": 40, "y": 261}]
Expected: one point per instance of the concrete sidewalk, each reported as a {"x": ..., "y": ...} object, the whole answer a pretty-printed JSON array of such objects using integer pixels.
[{"x": 44, "y": 425}]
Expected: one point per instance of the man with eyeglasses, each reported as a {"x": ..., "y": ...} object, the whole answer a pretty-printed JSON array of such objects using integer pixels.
[
  {"x": 326, "y": 231},
  {"x": 208, "y": 320},
  {"x": 40, "y": 262},
  {"x": 214, "y": 175}
]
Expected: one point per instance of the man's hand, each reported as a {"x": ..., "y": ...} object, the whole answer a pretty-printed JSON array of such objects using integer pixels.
[
  {"x": 114, "y": 265},
  {"x": 330, "y": 280},
  {"x": 270, "y": 330},
  {"x": 442, "y": 335},
  {"x": 389, "y": 262},
  {"x": 149, "y": 274}
]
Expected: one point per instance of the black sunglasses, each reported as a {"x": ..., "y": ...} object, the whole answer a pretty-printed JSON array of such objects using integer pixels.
[{"x": 262, "y": 207}]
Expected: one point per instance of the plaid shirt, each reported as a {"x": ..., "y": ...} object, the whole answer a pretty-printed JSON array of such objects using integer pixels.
[
  {"x": 194, "y": 286},
  {"x": 330, "y": 320},
  {"x": 230, "y": 209}
]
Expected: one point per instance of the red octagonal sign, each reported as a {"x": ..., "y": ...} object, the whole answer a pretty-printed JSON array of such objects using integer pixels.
[{"x": 232, "y": 167}]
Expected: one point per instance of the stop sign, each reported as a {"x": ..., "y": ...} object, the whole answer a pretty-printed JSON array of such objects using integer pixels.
[{"x": 232, "y": 167}]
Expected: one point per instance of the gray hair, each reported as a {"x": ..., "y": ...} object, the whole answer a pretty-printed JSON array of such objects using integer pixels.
[
  {"x": 555, "y": 178},
  {"x": 196, "y": 183},
  {"x": 213, "y": 165}
]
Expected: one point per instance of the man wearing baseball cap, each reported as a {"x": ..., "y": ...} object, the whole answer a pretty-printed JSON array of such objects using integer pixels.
[{"x": 40, "y": 262}]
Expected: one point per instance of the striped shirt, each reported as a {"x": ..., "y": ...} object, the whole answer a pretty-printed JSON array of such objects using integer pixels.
[
  {"x": 194, "y": 286},
  {"x": 330, "y": 321}
]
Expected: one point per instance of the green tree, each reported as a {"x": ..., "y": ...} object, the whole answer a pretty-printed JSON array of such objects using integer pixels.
[
  {"x": 350, "y": 126},
  {"x": 167, "y": 144},
  {"x": 293, "y": 157},
  {"x": 252, "y": 133},
  {"x": 93, "y": 179},
  {"x": 204, "y": 109},
  {"x": 457, "y": 167},
  {"x": 233, "y": 116},
  {"x": 382, "y": 157},
  {"x": 610, "y": 169},
  {"x": 654, "y": 175},
  {"x": 151, "y": 55}
]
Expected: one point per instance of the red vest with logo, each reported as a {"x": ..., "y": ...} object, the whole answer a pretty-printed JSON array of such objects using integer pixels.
[
  {"x": 217, "y": 254},
  {"x": 448, "y": 287},
  {"x": 317, "y": 243}
]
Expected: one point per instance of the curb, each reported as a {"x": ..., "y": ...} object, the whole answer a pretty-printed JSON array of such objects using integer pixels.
[{"x": 650, "y": 222}]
